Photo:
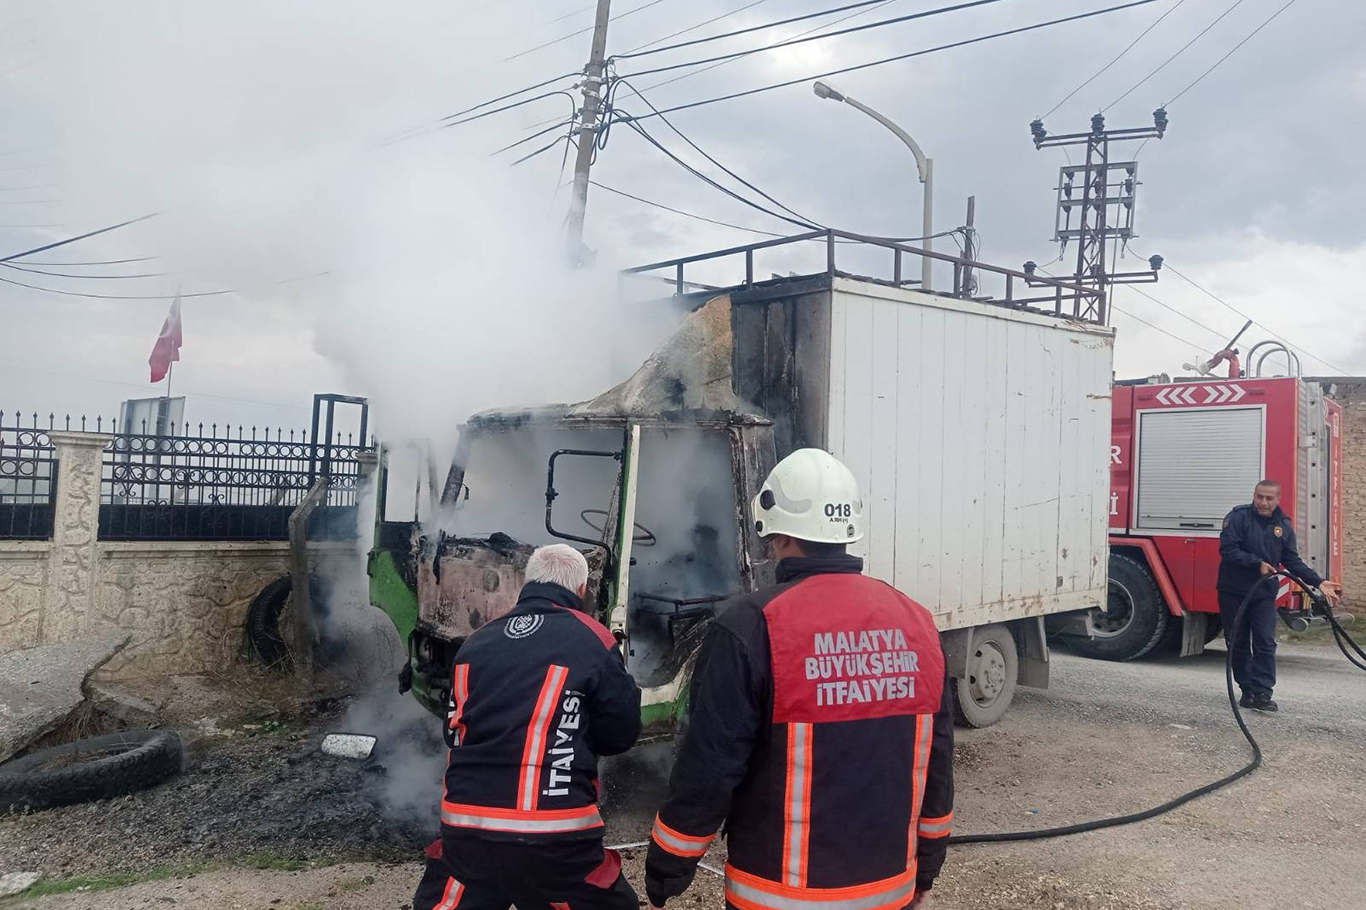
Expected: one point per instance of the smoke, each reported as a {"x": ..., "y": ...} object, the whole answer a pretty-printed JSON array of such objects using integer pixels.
[{"x": 410, "y": 750}]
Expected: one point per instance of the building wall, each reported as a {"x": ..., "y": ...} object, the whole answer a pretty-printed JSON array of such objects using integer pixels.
[
  {"x": 184, "y": 604},
  {"x": 1350, "y": 392}
]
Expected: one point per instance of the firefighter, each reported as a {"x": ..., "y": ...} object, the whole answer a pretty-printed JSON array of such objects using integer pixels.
[
  {"x": 1257, "y": 540},
  {"x": 820, "y": 729},
  {"x": 537, "y": 696}
]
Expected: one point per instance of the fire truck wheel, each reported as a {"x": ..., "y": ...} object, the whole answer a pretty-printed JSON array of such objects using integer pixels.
[
  {"x": 1134, "y": 620},
  {"x": 993, "y": 667}
]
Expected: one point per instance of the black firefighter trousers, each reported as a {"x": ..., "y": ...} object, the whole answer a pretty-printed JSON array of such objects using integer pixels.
[
  {"x": 1254, "y": 651},
  {"x": 469, "y": 873}
]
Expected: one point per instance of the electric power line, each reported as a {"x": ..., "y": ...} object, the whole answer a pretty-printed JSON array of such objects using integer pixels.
[
  {"x": 19, "y": 268},
  {"x": 803, "y": 219},
  {"x": 810, "y": 31},
  {"x": 710, "y": 182},
  {"x": 899, "y": 57},
  {"x": 582, "y": 31},
  {"x": 660, "y": 205},
  {"x": 1167, "y": 266},
  {"x": 693, "y": 28},
  {"x": 1185, "y": 47},
  {"x": 1201, "y": 77},
  {"x": 1152, "y": 325},
  {"x": 881, "y": 23},
  {"x": 35, "y": 287},
  {"x": 52, "y": 246},
  {"x": 743, "y": 31},
  {"x": 1141, "y": 35}
]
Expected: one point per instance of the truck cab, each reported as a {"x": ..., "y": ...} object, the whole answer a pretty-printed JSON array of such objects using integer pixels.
[{"x": 639, "y": 495}]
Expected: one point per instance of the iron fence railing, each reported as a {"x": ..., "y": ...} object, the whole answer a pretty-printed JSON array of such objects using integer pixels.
[
  {"x": 28, "y": 478},
  {"x": 209, "y": 483}
]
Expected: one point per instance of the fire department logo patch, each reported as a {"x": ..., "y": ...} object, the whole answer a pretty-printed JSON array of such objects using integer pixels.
[
  {"x": 1225, "y": 521},
  {"x": 523, "y": 626},
  {"x": 1277, "y": 531}
]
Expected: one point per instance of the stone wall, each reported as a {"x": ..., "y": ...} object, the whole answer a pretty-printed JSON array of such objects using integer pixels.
[{"x": 183, "y": 603}]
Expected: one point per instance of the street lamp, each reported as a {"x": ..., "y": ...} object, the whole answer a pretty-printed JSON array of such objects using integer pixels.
[{"x": 924, "y": 165}]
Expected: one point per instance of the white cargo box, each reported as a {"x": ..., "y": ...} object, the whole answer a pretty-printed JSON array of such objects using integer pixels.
[{"x": 980, "y": 435}]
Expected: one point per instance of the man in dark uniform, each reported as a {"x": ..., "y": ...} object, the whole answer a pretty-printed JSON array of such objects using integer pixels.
[
  {"x": 1257, "y": 540},
  {"x": 537, "y": 696}
]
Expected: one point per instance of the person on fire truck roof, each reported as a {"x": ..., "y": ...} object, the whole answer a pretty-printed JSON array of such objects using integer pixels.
[
  {"x": 820, "y": 729},
  {"x": 537, "y": 696},
  {"x": 1257, "y": 540}
]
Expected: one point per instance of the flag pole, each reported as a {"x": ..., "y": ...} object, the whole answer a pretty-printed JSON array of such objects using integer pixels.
[{"x": 170, "y": 368}]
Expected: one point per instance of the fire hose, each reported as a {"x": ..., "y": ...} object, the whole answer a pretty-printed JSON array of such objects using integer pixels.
[{"x": 1344, "y": 641}]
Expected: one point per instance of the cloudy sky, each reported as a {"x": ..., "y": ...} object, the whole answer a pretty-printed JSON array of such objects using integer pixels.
[{"x": 291, "y": 153}]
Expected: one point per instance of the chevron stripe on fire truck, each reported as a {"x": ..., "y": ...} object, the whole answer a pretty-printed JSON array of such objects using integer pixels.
[{"x": 1200, "y": 394}]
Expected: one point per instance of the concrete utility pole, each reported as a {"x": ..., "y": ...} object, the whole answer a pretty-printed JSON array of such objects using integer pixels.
[{"x": 588, "y": 129}]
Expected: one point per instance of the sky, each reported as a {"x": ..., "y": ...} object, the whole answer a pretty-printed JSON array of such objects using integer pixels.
[{"x": 346, "y": 241}]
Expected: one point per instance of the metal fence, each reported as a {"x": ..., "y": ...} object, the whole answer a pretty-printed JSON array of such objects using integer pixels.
[
  {"x": 226, "y": 483},
  {"x": 28, "y": 478}
]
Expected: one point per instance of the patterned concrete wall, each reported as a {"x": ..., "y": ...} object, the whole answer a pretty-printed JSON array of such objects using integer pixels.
[{"x": 184, "y": 603}]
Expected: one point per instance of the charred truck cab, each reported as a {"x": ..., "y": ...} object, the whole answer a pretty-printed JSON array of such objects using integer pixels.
[{"x": 652, "y": 502}]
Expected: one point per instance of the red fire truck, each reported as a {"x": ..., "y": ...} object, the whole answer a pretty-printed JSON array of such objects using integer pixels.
[{"x": 1183, "y": 453}]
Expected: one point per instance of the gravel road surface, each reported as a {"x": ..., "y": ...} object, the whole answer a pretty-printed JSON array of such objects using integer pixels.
[{"x": 1104, "y": 739}]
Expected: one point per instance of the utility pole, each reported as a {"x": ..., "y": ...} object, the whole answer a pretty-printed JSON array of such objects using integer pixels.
[
  {"x": 1105, "y": 209},
  {"x": 593, "y": 83},
  {"x": 969, "y": 249}
]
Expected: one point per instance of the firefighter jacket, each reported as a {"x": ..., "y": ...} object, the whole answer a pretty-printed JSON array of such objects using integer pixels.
[
  {"x": 821, "y": 734},
  {"x": 1248, "y": 540},
  {"x": 537, "y": 696}
]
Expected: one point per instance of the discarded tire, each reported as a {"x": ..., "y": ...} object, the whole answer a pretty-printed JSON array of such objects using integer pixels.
[
  {"x": 89, "y": 769},
  {"x": 263, "y": 621}
]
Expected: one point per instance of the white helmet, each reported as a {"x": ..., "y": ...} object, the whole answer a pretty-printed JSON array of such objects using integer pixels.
[{"x": 812, "y": 496}]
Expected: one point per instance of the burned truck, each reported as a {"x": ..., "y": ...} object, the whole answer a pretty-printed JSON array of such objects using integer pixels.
[{"x": 978, "y": 431}]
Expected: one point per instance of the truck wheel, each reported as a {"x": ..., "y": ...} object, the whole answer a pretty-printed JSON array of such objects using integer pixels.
[
  {"x": 992, "y": 673},
  {"x": 1134, "y": 619}
]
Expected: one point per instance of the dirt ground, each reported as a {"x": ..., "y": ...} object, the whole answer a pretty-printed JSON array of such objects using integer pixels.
[{"x": 1104, "y": 739}]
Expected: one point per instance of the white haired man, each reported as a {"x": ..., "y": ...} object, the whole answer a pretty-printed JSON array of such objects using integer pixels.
[{"x": 537, "y": 696}]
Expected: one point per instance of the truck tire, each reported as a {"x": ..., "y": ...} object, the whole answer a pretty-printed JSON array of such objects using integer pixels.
[
  {"x": 89, "y": 769},
  {"x": 993, "y": 668},
  {"x": 1135, "y": 618}
]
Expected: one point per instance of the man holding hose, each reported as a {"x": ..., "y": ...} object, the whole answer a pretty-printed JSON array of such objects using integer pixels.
[{"x": 1258, "y": 540}]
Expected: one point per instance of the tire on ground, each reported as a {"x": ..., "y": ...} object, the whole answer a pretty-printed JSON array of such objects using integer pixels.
[
  {"x": 89, "y": 769},
  {"x": 993, "y": 667},
  {"x": 1135, "y": 620},
  {"x": 263, "y": 622}
]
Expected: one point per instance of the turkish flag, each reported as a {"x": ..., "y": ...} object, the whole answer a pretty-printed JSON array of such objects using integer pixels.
[{"x": 167, "y": 349}]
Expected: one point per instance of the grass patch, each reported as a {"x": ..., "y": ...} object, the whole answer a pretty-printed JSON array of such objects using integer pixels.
[{"x": 266, "y": 862}]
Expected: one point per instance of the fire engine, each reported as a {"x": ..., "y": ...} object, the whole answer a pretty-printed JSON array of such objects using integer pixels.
[{"x": 1183, "y": 453}]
